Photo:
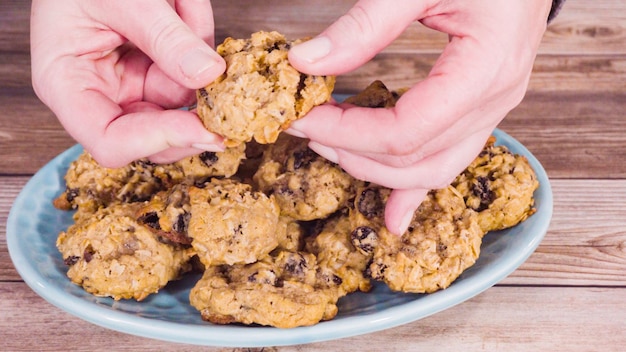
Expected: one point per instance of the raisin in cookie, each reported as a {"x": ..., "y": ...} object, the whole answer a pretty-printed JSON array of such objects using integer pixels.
[
  {"x": 168, "y": 213},
  {"x": 110, "y": 254},
  {"x": 279, "y": 291},
  {"x": 260, "y": 93},
  {"x": 230, "y": 223},
  {"x": 200, "y": 167},
  {"x": 306, "y": 185},
  {"x": 500, "y": 186},
  {"x": 367, "y": 216}
]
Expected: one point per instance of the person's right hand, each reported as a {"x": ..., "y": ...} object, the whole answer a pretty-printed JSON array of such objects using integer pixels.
[
  {"x": 116, "y": 73},
  {"x": 440, "y": 123}
]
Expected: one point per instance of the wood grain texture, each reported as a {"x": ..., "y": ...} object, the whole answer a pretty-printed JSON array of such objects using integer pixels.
[
  {"x": 14, "y": 26},
  {"x": 573, "y": 134},
  {"x": 587, "y": 27},
  {"x": 592, "y": 27},
  {"x": 551, "y": 73},
  {"x": 499, "y": 319},
  {"x": 583, "y": 26}
]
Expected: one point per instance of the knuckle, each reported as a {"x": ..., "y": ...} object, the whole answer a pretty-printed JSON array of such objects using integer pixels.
[
  {"x": 164, "y": 30},
  {"x": 399, "y": 141},
  {"x": 359, "y": 22},
  {"x": 400, "y": 148}
]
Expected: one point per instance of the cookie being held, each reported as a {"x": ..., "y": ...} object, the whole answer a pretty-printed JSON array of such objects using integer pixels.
[{"x": 260, "y": 93}]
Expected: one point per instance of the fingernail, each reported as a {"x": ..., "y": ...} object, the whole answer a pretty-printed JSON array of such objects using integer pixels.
[
  {"x": 326, "y": 152},
  {"x": 404, "y": 224},
  {"x": 208, "y": 147},
  {"x": 313, "y": 50},
  {"x": 197, "y": 61},
  {"x": 295, "y": 133}
]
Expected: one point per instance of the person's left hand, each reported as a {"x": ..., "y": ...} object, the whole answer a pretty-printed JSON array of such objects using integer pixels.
[{"x": 116, "y": 72}]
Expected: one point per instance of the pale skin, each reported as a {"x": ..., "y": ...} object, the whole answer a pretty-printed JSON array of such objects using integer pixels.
[
  {"x": 115, "y": 72},
  {"x": 115, "y": 80}
]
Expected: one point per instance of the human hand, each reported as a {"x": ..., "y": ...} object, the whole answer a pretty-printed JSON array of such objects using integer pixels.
[
  {"x": 115, "y": 73},
  {"x": 441, "y": 123}
]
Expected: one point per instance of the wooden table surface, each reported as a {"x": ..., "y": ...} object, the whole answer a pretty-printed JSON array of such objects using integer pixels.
[{"x": 569, "y": 296}]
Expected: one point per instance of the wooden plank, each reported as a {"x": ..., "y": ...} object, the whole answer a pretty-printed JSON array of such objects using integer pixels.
[
  {"x": 558, "y": 73},
  {"x": 584, "y": 26},
  {"x": 583, "y": 246},
  {"x": 14, "y": 26},
  {"x": 574, "y": 135},
  {"x": 573, "y": 73},
  {"x": 14, "y": 72},
  {"x": 509, "y": 319},
  {"x": 585, "y": 241},
  {"x": 30, "y": 134},
  {"x": 9, "y": 189},
  {"x": 501, "y": 318}
]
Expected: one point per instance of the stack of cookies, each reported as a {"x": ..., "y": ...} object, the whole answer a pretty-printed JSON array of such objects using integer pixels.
[{"x": 279, "y": 233}]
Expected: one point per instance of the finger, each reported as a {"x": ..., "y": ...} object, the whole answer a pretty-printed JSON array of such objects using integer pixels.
[
  {"x": 434, "y": 171},
  {"x": 472, "y": 123},
  {"x": 198, "y": 15},
  {"x": 163, "y": 91},
  {"x": 355, "y": 37},
  {"x": 156, "y": 28},
  {"x": 136, "y": 70},
  {"x": 352, "y": 128},
  {"x": 462, "y": 85},
  {"x": 472, "y": 75},
  {"x": 173, "y": 154},
  {"x": 401, "y": 207},
  {"x": 140, "y": 130},
  {"x": 159, "y": 87}
]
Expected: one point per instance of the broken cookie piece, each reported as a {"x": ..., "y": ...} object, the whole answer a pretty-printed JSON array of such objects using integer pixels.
[{"x": 260, "y": 93}]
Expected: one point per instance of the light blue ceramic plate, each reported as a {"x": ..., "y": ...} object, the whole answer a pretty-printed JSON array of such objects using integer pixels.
[{"x": 33, "y": 225}]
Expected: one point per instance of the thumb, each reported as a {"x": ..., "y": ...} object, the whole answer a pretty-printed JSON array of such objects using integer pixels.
[
  {"x": 356, "y": 37},
  {"x": 160, "y": 32}
]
